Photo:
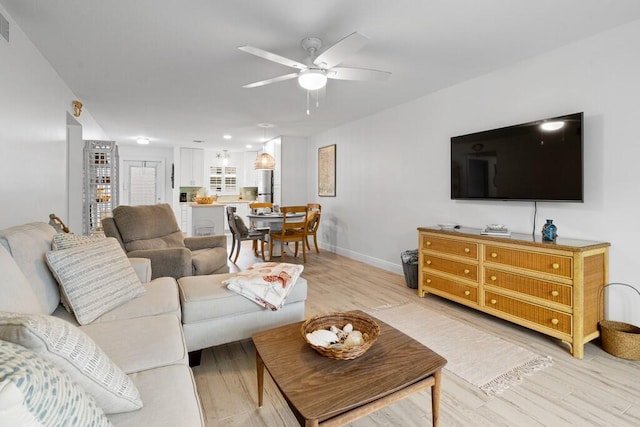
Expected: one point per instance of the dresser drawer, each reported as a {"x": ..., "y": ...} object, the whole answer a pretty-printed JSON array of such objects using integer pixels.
[
  {"x": 549, "y": 291},
  {"x": 465, "y": 270},
  {"x": 451, "y": 287},
  {"x": 450, "y": 246},
  {"x": 548, "y": 318},
  {"x": 558, "y": 265}
]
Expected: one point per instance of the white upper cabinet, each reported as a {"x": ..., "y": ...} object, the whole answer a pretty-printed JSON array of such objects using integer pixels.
[{"x": 191, "y": 167}]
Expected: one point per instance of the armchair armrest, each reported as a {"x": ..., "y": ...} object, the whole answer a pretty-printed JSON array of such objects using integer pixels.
[
  {"x": 206, "y": 242},
  {"x": 142, "y": 267},
  {"x": 166, "y": 262}
]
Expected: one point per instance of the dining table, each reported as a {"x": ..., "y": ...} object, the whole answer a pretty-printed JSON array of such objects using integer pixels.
[{"x": 273, "y": 221}]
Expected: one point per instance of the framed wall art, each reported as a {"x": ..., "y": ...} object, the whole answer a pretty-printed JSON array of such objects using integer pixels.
[{"x": 327, "y": 171}]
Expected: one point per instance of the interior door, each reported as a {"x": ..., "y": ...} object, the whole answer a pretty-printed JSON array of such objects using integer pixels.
[{"x": 143, "y": 182}]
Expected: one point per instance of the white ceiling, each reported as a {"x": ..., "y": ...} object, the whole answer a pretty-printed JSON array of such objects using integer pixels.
[{"x": 170, "y": 69}]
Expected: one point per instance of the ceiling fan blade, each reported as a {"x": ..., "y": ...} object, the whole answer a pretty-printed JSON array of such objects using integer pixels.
[
  {"x": 272, "y": 80},
  {"x": 339, "y": 51},
  {"x": 342, "y": 73},
  {"x": 273, "y": 57}
]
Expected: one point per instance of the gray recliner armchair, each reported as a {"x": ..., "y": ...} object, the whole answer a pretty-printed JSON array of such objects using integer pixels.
[{"x": 152, "y": 232}]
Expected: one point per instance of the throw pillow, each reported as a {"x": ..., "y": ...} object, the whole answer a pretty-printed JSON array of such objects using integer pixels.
[
  {"x": 68, "y": 240},
  {"x": 34, "y": 392},
  {"x": 242, "y": 229},
  {"x": 73, "y": 351},
  {"x": 266, "y": 283},
  {"x": 95, "y": 278}
]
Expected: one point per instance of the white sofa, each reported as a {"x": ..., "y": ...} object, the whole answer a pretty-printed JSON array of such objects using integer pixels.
[
  {"x": 149, "y": 337},
  {"x": 143, "y": 337}
]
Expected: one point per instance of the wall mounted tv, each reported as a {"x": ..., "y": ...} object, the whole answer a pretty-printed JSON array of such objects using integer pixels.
[{"x": 535, "y": 161}]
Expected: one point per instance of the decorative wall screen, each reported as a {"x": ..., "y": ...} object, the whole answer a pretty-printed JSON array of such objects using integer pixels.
[{"x": 100, "y": 183}]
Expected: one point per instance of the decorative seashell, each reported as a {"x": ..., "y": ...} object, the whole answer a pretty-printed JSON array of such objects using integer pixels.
[
  {"x": 341, "y": 334},
  {"x": 353, "y": 339},
  {"x": 315, "y": 340},
  {"x": 326, "y": 335},
  {"x": 334, "y": 329},
  {"x": 348, "y": 328}
]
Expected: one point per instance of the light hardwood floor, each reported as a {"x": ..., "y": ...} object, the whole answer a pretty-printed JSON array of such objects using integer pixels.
[{"x": 599, "y": 390}]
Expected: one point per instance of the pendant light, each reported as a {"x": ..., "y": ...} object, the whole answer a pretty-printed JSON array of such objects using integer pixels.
[{"x": 264, "y": 161}]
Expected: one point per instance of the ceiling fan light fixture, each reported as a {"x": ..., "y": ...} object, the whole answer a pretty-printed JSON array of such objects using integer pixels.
[{"x": 312, "y": 79}]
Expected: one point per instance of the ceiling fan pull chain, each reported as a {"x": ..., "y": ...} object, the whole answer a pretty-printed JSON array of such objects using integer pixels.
[
  {"x": 317, "y": 98},
  {"x": 307, "y": 103}
]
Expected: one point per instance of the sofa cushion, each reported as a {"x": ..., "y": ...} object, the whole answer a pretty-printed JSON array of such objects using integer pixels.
[
  {"x": 73, "y": 351},
  {"x": 207, "y": 261},
  {"x": 170, "y": 399},
  {"x": 95, "y": 278},
  {"x": 149, "y": 342},
  {"x": 207, "y": 297},
  {"x": 148, "y": 227},
  {"x": 28, "y": 244},
  {"x": 16, "y": 293},
  {"x": 35, "y": 392}
]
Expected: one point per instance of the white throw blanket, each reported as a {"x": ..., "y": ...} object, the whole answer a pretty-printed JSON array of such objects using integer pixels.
[{"x": 266, "y": 283}]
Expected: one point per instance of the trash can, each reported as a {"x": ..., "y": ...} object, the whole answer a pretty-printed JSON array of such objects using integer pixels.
[{"x": 410, "y": 267}]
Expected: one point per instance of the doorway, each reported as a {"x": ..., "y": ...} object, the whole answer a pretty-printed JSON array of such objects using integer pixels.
[{"x": 143, "y": 182}]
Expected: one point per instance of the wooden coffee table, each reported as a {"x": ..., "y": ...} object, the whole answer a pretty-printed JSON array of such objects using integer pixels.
[{"x": 328, "y": 392}]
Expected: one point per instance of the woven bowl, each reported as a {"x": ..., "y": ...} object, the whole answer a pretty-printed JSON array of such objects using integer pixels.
[
  {"x": 205, "y": 200},
  {"x": 365, "y": 324}
]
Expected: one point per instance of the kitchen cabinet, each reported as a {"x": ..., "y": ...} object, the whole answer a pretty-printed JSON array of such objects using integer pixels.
[
  {"x": 553, "y": 288},
  {"x": 100, "y": 183},
  {"x": 202, "y": 220},
  {"x": 191, "y": 167}
]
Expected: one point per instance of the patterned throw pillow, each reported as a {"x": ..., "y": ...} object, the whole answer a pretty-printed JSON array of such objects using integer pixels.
[
  {"x": 68, "y": 240},
  {"x": 34, "y": 392},
  {"x": 95, "y": 278},
  {"x": 74, "y": 352}
]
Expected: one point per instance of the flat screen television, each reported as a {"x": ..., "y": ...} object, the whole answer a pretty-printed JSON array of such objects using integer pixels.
[{"x": 536, "y": 161}]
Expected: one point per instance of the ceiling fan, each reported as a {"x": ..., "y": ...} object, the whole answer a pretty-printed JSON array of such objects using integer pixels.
[{"x": 312, "y": 75}]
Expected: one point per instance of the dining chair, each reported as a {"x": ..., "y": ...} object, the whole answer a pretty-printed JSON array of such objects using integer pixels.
[
  {"x": 293, "y": 230},
  {"x": 313, "y": 222},
  {"x": 261, "y": 205},
  {"x": 240, "y": 233}
]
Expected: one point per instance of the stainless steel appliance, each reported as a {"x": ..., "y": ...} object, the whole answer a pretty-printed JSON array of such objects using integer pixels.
[{"x": 265, "y": 185}]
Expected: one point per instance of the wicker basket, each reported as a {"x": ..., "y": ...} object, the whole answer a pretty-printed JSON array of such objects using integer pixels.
[
  {"x": 206, "y": 200},
  {"x": 369, "y": 328},
  {"x": 620, "y": 339}
]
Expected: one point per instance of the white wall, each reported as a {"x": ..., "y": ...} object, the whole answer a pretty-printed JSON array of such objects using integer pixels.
[
  {"x": 294, "y": 170},
  {"x": 33, "y": 128},
  {"x": 393, "y": 167}
]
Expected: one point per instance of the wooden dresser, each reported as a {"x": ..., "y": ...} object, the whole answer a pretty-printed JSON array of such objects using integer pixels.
[{"x": 550, "y": 287}]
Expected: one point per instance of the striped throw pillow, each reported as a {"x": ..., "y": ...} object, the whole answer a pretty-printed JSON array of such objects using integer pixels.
[{"x": 95, "y": 278}]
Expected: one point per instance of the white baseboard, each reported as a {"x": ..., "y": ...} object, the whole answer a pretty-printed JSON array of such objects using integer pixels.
[{"x": 385, "y": 265}]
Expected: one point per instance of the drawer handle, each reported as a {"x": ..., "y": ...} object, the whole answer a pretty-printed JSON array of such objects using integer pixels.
[
  {"x": 494, "y": 278},
  {"x": 428, "y": 262},
  {"x": 554, "y": 321},
  {"x": 555, "y": 266},
  {"x": 555, "y": 293},
  {"x": 428, "y": 243},
  {"x": 493, "y": 301},
  {"x": 467, "y": 250},
  {"x": 466, "y": 271},
  {"x": 494, "y": 255},
  {"x": 467, "y": 293},
  {"x": 428, "y": 280}
]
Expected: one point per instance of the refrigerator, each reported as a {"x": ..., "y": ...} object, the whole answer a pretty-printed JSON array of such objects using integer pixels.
[{"x": 265, "y": 185}]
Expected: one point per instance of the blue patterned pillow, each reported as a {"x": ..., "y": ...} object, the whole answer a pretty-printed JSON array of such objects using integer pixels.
[{"x": 35, "y": 392}]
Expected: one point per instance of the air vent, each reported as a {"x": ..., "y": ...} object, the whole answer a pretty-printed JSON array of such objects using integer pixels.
[{"x": 4, "y": 27}]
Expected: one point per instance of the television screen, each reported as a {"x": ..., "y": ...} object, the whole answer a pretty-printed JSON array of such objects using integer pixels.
[{"x": 540, "y": 160}]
